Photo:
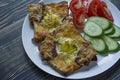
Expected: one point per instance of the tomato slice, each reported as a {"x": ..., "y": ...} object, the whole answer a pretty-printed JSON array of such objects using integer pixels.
[
  {"x": 92, "y": 8},
  {"x": 103, "y": 11},
  {"x": 79, "y": 18},
  {"x": 76, "y": 4}
]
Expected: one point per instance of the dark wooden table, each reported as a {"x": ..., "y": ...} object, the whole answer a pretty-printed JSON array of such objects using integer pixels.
[{"x": 14, "y": 63}]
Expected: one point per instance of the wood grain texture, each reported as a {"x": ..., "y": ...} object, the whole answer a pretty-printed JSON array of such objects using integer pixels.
[{"x": 14, "y": 63}]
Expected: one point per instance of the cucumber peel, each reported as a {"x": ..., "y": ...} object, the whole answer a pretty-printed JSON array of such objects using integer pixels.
[
  {"x": 111, "y": 44},
  {"x": 116, "y": 34},
  {"x": 109, "y": 31}
]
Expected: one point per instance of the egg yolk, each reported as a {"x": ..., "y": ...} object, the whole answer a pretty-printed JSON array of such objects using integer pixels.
[
  {"x": 68, "y": 46},
  {"x": 51, "y": 20}
]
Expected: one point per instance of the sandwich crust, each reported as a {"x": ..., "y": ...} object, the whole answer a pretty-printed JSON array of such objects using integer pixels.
[
  {"x": 72, "y": 59},
  {"x": 45, "y": 17}
]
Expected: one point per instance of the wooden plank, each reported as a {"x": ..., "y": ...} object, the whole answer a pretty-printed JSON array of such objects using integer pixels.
[
  {"x": 13, "y": 10},
  {"x": 10, "y": 32},
  {"x": 14, "y": 62}
]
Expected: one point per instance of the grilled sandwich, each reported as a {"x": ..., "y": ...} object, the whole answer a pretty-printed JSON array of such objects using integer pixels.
[
  {"x": 65, "y": 50},
  {"x": 45, "y": 17}
]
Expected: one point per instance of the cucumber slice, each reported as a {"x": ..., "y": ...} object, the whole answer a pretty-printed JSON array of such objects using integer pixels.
[
  {"x": 111, "y": 30},
  {"x": 92, "y": 29},
  {"x": 116, "y": 34},
  {"x": 97, "y": 43},
  {"x": 111, "y": 44},
  {"x": 103, "y": 22}
]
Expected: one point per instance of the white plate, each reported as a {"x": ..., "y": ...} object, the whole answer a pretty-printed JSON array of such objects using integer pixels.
[{"x": 95, "y": 68}]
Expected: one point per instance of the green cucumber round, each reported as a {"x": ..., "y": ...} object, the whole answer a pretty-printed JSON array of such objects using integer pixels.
[
  {"x": 109, "y": 31},
  {"x": 116, "y": 34},
  {"x": 97, "y": 43},
  {"x": 103, "y": 22},
  {"x": 92, "y": 29},
  {"x": 111, "y": 44}
]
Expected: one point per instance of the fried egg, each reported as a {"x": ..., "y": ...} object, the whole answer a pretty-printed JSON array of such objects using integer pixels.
[
  {"x": 66, "y": 50},
  {"x": 46, "y": 17}
]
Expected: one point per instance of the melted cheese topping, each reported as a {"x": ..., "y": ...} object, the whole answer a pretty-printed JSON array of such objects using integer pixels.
[
  {"x": 66, "y": 45},
  {"x": 51, "y": 20}
]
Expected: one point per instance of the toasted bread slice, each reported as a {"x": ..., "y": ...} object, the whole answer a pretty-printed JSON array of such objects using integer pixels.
[
  {"x": 65, "y": 50},
  {"x": 45, "y": 17}
]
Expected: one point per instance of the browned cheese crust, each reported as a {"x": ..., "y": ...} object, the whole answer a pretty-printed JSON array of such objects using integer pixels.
[
  {"x": 67, "y": 63},
  {"x": 37, "y": 13}
]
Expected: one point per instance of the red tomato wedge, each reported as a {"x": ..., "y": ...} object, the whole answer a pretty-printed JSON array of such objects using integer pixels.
[
  {"x": 76, "y": 4},
  {"x": 103, "y": 11},
  {"x": 79, "y": 18},
  {"x": 92, "y": 8}
]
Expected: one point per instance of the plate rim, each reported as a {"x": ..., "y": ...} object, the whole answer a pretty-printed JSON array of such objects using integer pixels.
[{"x": 27, "y": 52}]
